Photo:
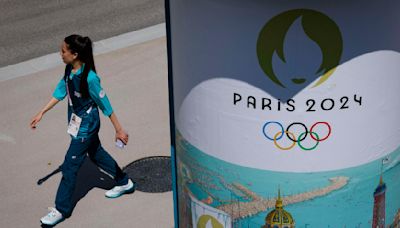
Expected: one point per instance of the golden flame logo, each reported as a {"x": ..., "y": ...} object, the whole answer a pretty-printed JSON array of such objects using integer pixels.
[
  {"x": 205, "y": 219},
  {"x": 317, "y": 26}
]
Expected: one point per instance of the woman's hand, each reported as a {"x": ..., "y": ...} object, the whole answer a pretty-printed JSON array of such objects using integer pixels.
[
  {"x": 119, "y": 133},
  {"x": 36, "y": 120},
  {"x": 122, "y": 135},
  {"x": 53, "y": 101}
]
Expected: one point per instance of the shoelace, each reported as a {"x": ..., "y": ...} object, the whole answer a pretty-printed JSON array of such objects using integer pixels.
[
  {"x": 52, "y": 212},
  {"x": 120, "y": 188},
  {"x": 117, "y": 188}
]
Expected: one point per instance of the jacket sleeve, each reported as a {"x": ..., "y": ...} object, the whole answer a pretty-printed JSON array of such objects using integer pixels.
[
  {"x": 60, "y": 91},
  {"x": 98, "y": 94}
]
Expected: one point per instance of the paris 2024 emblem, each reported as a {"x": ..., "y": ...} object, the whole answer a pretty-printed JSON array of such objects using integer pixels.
[{"x": 318, "y": 27}]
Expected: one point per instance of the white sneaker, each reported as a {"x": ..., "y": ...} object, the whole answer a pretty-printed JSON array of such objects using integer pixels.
[
  {"x": 118, "y": 191},
  {"x": 52, "y": 218}
]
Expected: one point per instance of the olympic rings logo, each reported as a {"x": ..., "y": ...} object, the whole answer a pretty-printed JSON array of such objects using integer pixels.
[{"x": 292, "y": 137}]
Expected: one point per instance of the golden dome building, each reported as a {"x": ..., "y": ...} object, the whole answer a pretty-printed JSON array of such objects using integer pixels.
[{"x": 279, "y": 218}]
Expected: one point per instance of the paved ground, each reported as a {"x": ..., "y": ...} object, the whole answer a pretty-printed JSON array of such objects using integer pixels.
[
  {"x": 138, "y": 93},
  {"x": 34, "y": 28}
]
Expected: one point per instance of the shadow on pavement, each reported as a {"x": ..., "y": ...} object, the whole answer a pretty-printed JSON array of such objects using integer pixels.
[
  {"x": 151, "y": 174},
  {"x": 89, "y": 177}
]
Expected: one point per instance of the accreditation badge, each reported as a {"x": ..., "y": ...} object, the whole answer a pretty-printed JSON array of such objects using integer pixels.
[{"x": 74, "y": 125}]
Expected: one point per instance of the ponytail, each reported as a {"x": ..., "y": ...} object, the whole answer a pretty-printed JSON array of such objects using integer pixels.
[{"x": 83, "y": 46}]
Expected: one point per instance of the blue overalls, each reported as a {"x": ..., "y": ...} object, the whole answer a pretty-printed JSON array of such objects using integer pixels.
[{"x": 87, "y": 140}]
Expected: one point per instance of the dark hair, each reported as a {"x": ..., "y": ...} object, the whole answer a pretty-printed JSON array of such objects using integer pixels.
[{"x": 83, "y": 47}]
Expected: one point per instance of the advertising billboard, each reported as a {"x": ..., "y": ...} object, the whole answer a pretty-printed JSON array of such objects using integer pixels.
[{"x": 286, "y": 112}]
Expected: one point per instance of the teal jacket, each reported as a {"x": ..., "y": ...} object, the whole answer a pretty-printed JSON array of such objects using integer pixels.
[{"x": 84, "y": 107}]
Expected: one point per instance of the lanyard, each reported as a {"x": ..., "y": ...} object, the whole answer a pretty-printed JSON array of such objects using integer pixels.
[
  {"x": 69, "y": 96},
  {"x": 70, "y": 99}
]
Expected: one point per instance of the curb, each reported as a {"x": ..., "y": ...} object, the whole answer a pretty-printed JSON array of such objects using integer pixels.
[{"x": 100, "y": 47}]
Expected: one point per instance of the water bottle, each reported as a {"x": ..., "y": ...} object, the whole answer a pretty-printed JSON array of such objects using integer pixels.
[{"x": 119, "y": 144}]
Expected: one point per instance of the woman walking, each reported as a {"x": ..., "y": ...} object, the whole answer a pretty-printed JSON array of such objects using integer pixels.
[{"x": 81, "y": 85}]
